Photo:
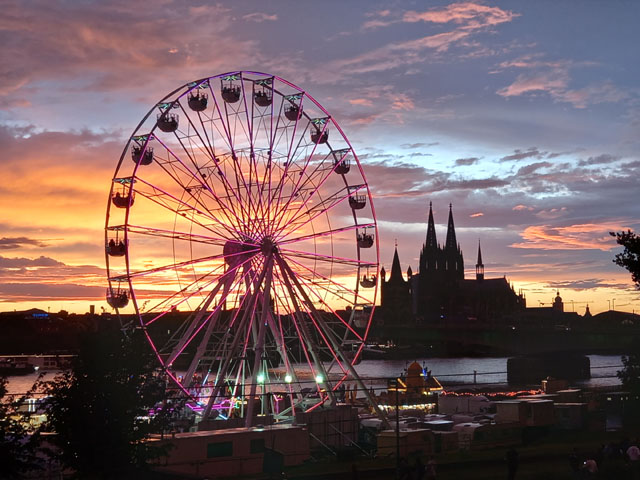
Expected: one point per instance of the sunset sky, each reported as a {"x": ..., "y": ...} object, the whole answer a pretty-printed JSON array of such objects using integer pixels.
[{"x": 524, "y": 115}]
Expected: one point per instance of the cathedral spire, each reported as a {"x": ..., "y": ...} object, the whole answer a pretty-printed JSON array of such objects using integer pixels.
[
  {"x": 451, "y": 232},
  {"x": 479, "y": 265},
  {"x": 431, "y": 231},
  {"x": 396, "y": 271}
]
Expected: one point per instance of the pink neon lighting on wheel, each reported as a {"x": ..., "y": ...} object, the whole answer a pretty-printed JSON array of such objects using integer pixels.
[{"x": 244, "y": 251}]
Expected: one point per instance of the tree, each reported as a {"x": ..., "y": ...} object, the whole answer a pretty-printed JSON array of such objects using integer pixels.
[
  {"x": 99, "y": 409},
  {"x": 18, "y": 441},
  {"x": 630, "y": 378},
  {"x": 630, "y": 257}
]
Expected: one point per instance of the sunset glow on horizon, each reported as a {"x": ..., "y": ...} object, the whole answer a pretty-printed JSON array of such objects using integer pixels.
[{"x": 529, "y": 129}]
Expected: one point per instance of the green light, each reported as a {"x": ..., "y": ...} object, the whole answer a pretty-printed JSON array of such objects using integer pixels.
[
  {"x": 260, "y": 378},
  {"x": 319, "y": 378},
  {"x": 288, "y": 378}
]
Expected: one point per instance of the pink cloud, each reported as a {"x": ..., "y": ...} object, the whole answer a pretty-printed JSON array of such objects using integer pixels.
[
  {"x": 553, "y": 78},
  {"x": 115, "y": 46},
  {"x": 475, "y": 215},
  {"x": 260, "y": 17},
  {"x": 552, "y": 82},
  {"x": 468, "y": 18},
  {"x": 472, "y": 14}
]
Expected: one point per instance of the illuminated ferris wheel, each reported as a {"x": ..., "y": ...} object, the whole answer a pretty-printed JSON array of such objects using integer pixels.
[{"x": 241, "y": 233}]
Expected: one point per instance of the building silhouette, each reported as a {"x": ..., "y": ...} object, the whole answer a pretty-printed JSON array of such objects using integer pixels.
[{"x": 439, "y": 292}]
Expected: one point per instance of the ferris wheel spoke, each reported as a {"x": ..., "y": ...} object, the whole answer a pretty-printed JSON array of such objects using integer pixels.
[
  {"x": 306, "y": 163},
  {"x": 213, "y": 217},
  {"x": 179, "y": 265},
  {"x": 187, "y": 294},
  {"x": 328, "y": 202},
  {"x": 321, "y": 289},
  {"x": 338, "y": 286},
  {"x": 319, "y": 209},
  {"x": 167, "y": 200},
  {"x": 177, "y": 235},
  {"x": 325, "y": 233},
  {"x": 212, "y": 156},
  {"x": 325, "y": 258},
  {"x": 289, "y": 158},
  {"x": 302, "y": 195},
  {"x": 196, "y": 181}
]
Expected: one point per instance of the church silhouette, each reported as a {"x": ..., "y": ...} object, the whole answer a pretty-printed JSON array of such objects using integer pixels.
[{"x": 439, "y": 293}]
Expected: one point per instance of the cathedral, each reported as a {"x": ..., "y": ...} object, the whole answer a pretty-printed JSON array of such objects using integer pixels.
[{"x": 439, "y": 292}]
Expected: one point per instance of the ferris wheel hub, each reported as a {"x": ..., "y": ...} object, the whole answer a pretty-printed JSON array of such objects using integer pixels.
[{"x": 268, "y": 246}]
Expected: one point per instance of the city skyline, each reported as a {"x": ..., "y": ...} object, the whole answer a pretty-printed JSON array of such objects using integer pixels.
[{"x": 522, "y": 116}]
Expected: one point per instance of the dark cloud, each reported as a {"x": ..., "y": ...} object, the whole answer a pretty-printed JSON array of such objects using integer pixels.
[
  {"x": 11, "y": 292},
  {"x": 529, "y": 169},
  {"x": 599, "y": 160},
  {"x": 8, "y": 243},
  {"x": 587, "y": 284},
  {"x": 521, "y": 155},
  {"x": 467, "y": 161},
  {"x": 419, "y": 145},
  {"x": 18, "y": 262}
]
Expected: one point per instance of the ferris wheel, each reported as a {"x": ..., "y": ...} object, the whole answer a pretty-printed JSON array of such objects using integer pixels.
[{"x": 241, "y": 235}]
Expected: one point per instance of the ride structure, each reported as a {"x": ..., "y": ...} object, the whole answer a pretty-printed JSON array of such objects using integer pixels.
[{"x": 253, "y": 220}]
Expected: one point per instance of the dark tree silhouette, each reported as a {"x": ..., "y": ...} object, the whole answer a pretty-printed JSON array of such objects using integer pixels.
[
  {"x": 630, "y": 256},
  {"x": 18, "y": 441},
  {"x": 99, "y": 409}
]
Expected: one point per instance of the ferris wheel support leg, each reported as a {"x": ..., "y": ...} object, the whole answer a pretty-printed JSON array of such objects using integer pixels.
[
  {"x": 225, "y": 368},
  {"x": 259, "y": 350},
  {"x": 198, "y": 317},
  {"x": 284, "y": 268},
  {"x": 282, "y": 349},
  {"x": 338, "y": 348},
  {"x": 205, "y": 339}
]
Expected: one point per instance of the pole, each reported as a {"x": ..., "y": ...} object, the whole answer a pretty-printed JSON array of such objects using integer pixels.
[{"x": 397, "y": 432}]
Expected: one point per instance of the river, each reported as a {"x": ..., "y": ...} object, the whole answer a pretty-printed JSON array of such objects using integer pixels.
[{"x": 450, "y": 371}]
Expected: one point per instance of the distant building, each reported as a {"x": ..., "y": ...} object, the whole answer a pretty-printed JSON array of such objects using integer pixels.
[{"x": 439, "y": 292}]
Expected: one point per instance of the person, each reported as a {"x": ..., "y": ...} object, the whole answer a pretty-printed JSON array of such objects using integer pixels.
[
  {"x": 590, "y": 468},
  {"x": 633, "y": 454},
  {"x": 574, "y": 464},
  {"x": 418, "y": 469},
  {"x": 431, "y": 469},
  {"x": 404, "y": 471},
  {"x": 512, "y": 463}
]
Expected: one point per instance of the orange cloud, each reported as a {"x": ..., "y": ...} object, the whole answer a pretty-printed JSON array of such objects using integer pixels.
[
  {"x": 361, "y": 101},
  {"x": 571, "y": 237},
  {"x": 519, "y": 208}
]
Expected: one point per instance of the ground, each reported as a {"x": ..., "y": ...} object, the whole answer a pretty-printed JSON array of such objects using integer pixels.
[{"x": 547, "y": 459}]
